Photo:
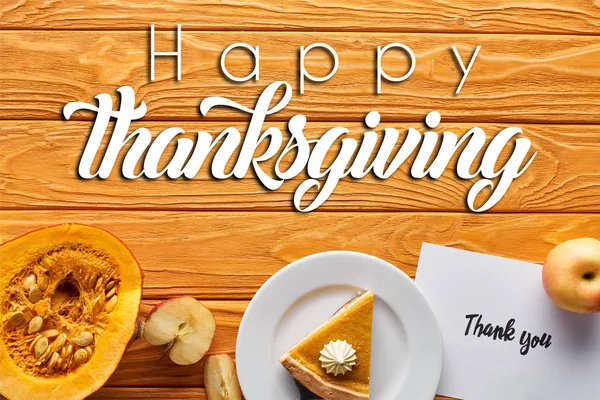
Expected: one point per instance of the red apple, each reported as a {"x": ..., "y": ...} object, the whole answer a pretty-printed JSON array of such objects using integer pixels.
[
  {"x": 184, "y": 325},
  {"x": 571, "y": 275}
]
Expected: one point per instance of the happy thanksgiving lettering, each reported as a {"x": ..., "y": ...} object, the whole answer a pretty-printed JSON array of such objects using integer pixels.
[{"x": 355, "y": 158}]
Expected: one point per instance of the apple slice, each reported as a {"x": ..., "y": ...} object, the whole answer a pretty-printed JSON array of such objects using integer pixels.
[
  {"x": 220, "y": 379},
  {"x": 184, "y": 325}
]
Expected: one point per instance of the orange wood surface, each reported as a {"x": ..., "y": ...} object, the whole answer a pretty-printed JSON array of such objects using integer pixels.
[
  {"x": 110, "y": 393},
  {"x": 490, "y": 16},
  {"x": 564, "y": 177},
  {"x": 221, "y": 240},
  {"x": 517, "y": 78},
  {"x": 229, "y": 255}
]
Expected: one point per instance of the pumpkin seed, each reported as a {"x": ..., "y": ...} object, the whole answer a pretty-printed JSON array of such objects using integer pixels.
[
  {"x": 29, "y": 281},
  {"x": 68, "y": 351},
  {"x": 84, "y": 339},
  {"x": 110, "y": 285},
  {"x": 80, "y": 357},
  {"x": 111, "y": 293},
  {"x": 40, "y": 347},
  {"x": 98, "y": 284},
  {"x": 91, "y": 281},
  {"x": 17, "y": 319},
  {"x": 98, "y": 304},
  {"x": 35, "y": 324},
  {"x": 35, "y": 294},
  {"x": 60, "y": 342},
  {"x": 50, "y": 333},
  {"x": 45, "y": 357},
  {"x": 33, "y": 342},
  {"x": 88, "y": 350},
  {"x": 53, "y": 360},
  {"x": 111, "y": 304}
]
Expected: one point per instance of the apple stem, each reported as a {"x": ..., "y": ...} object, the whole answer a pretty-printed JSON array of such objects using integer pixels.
[{"x": 155, "y": 366}]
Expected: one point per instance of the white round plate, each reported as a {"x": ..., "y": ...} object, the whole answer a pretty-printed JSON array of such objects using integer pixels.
[{"x": 406, "y": 360}]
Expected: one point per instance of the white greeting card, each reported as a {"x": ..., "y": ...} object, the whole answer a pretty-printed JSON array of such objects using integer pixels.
[{"x": 503, "y": 337}]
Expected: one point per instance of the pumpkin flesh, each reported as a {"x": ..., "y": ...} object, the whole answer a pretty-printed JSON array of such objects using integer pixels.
[{"x": 85, "y": 286}]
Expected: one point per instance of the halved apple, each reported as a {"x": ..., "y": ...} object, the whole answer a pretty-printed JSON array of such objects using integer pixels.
[
  {"x": 220, "y": 379},
  {"x": 185, "y": 325}
]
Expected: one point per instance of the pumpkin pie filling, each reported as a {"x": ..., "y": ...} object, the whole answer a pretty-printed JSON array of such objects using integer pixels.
[{"x": 352, "y": 324}]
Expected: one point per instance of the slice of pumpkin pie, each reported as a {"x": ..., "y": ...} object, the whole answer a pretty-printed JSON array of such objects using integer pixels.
[{"x": 334, "y": 361}]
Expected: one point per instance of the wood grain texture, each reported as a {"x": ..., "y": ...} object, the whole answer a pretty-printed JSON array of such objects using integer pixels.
[
  {"x": 491, "y": 16},
  {"x": 124, "y": 393},
  {"x": 538, "y": 69},
  {"x": 152, "y": 393},
  {"x": 565, "y": 176},
  {"x": 516, "y": 78},
  {"x": 215, "y": 255}
]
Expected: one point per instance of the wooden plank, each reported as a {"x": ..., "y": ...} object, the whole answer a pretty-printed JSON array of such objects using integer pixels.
[
  {"x": 493, "y": 16},
  {"x": 229, "y": 255},
  {"x": 565, "y": 175},
  {"x": 141, "y": 367},
  {"x": 151, "y": 393},
  {"x": 109, "y": 393},
  {"x": 516, "y": 78}
]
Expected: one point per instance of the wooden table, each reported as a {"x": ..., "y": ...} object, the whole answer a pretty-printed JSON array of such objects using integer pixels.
[{"x": 221, "y": 240}]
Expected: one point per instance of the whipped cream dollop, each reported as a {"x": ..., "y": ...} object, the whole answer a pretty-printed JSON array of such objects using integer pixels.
[{"x": 338, "y": 357}]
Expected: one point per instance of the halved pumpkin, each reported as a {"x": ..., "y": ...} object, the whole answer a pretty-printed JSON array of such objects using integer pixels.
[{"x": 69, "y": 301}]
